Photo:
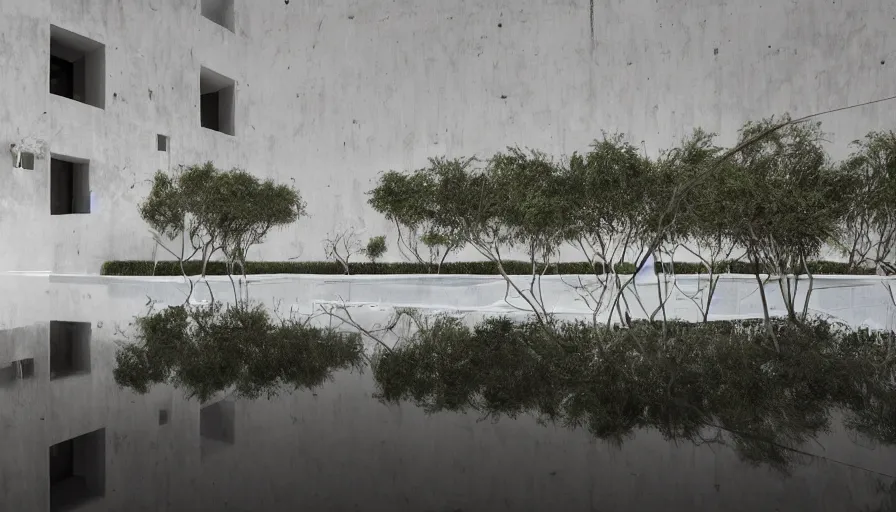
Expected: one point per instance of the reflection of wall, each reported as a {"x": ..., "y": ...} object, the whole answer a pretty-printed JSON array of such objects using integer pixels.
[{"x": 340, "y": 449}]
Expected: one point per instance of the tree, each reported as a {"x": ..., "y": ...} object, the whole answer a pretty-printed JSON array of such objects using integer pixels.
[
  {"x": 609, "y": 191},
  {"x": 703, "y": 225},
  {"x": 406, "y": 199},
  {"x": 870, "y": 223},
  {"x": 341, "y": 246},
  {"x": 514, "y": 201},
  {"x": 792, "y": 204},
  {"x": 214, "y": 210}
]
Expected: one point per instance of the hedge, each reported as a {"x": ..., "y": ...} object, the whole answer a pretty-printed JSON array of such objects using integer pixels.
[{"x": 217, "y": 268}]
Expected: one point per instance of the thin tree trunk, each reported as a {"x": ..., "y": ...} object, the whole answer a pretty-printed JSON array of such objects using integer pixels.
[{"x": 766, "y": 318}]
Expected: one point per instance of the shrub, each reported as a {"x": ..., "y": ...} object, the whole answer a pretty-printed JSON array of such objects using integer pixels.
[
  {"x": 375, "y": 248},
  {"x": 218, "y": 268}
]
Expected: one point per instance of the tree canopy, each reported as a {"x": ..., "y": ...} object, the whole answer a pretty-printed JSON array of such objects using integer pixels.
[{"x": 215, "y": 210}]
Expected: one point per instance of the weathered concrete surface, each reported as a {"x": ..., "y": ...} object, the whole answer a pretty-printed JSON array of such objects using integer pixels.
[
  {"x": 340, "y": 449},
  {"x": 330, "y": 93}
]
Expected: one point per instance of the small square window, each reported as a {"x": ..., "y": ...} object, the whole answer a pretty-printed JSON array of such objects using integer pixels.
[
  {"x": 161, "y": 142},
  {"x": 217, "y": 100},
  {"x": 69, "y": 186},
  {"x": 219, "y": 11},
  {"x": 77, "y": 471},
  {"x": 77, "y": 67},
  {"x": 163, "y": 416},
  {"x": 69, "y": 349}
]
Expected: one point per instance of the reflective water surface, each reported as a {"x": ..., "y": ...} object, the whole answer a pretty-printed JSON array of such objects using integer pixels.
[{"x": 493, "y": 418}]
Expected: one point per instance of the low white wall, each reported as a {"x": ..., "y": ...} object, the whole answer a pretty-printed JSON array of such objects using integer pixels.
[{"x": 855, "y": 300}]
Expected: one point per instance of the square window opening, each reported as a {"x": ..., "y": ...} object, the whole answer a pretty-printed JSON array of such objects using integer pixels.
[
  {"x": 69, "y": 186},
  {"x": 217, "y": 100},
  {"x": 77, "y": 471},
  {"x": 161, "y": 142},
  {"x": 77, "y": 67},
  {"x": 69, "y": 349},
  {"x": 219, "y": 12}
]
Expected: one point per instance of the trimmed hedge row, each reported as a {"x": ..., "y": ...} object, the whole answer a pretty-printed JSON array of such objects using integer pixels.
[{"x": 217, "y": 268}]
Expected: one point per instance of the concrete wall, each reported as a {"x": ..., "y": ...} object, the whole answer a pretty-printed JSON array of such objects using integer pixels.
[
  {"x": 339, "y": 449},
  {"x": 330, "y": 93}
]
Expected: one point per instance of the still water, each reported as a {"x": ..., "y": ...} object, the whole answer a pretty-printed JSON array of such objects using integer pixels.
[{"x": 73, "y": 439}]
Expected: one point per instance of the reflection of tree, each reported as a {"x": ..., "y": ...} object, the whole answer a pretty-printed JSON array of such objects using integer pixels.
[
  {"x": 204, "y": 350},
  {"x": 717, "y": 382}
]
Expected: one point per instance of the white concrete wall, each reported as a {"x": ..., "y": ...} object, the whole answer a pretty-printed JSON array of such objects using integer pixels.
[
  {"x": 330, "y": 93},
  {"x": 340, "y": 449}
]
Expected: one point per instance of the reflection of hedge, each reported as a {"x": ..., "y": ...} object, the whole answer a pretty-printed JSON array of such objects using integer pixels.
[{"x": 171, "y": 268}]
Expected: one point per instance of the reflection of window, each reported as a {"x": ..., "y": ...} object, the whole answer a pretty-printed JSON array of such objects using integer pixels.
[
  {"x": 18, "y": 370},
  {"x": 77, "y": 471},
  {"x": 217, "y": 426}
]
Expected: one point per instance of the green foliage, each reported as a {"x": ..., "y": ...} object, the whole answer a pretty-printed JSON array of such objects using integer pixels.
[
  {"x": 205, "y": 350},
  {"x": 870, "y": 224},
  {"x": 779, "y": 198},
  {"x": 217, "y": 210},
  {"x": 526, "y": 198},
  {"x": 613, "y": 192},
  {"x": 375, "y": 248},
  {"x": 708, "y": 211},
  {"x": 790, "y": 200},
  {"x": 435, "y": 240},
  {"x": 428, "y": 202},
  {"x": 218, "y": 268},
  {"x": 721, "y": 377}
]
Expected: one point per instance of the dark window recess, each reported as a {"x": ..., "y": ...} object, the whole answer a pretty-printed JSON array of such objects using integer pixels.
[
  {"x": 217, "y": 101},
  {"x": 218, "y": 11},
  {"x": 77, "y": 471},
  {"x": 208, "y": 105},
  {"x": 161, "y": 142},
  {"x": 69, "y": 349},
  {"x": 77, "y": 67},
  {"x": 163, "y": 416},
  {"x": 62, "y": 77},
  {"x": 69, "y": 187}
]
